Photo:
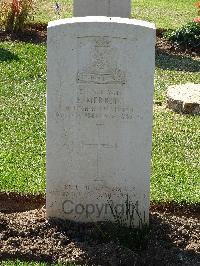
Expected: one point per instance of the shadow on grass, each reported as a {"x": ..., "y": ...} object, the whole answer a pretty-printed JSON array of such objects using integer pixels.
[
  {"x": 7, "y": 56},
  {"x": 167, "y": 61}
]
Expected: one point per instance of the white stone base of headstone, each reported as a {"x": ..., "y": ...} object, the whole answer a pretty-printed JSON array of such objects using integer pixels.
[{"x": 99, "y": 119}]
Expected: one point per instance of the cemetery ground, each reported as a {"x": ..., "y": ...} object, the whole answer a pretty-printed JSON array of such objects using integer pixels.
[{"x": 25, "y": 237}]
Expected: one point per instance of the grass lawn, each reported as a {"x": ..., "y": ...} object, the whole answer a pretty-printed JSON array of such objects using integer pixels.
[
  {"x": 176, "y": 142},
  {"x": 22, "y": 104},
  {"x": 165, "y": 13},
  {"x": 169, "y": 14}
]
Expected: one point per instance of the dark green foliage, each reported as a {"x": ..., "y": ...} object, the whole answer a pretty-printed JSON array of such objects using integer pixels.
[{"x": 187, "y": 36}]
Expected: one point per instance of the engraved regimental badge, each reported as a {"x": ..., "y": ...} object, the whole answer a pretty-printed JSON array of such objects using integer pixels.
[{"x": 101, "y": 67}]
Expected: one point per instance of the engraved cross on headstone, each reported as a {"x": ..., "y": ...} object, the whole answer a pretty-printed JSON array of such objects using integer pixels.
[
  {"x": 109, "y": 8},
  {"x": 99, "y": 146}
]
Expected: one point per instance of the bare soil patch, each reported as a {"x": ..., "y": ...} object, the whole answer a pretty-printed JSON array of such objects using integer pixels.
[
  {"x": 14, "y": 202},
  {"x": 173, "y": 237},
  {"x": 34, "y": 33}
]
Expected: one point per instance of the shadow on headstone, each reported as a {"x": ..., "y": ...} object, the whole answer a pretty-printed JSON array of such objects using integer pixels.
[{"x": 6, "y": 55}]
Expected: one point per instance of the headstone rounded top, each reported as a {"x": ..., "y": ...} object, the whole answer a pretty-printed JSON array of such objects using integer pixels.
[
  {"x": 109, "y": 8},
  {"x": 184, "y": 98},
  {"x": 104, "y": 20}
]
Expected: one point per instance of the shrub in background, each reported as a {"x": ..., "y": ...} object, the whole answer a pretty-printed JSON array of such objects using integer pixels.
[
  {"x": 188, "y": 35},
  {"x": 15, "y": 14}
]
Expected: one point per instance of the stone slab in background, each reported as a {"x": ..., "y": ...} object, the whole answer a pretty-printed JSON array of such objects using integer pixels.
[
  {"x": 184, "y": 98},
  {"x": 109, "y": 8}
]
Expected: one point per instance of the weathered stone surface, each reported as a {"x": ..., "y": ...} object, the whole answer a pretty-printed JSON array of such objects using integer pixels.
[
  {"x": 99, "y": 119},
  {"x": 184, "y": 98},
  {"x": 109, "y": 8}
]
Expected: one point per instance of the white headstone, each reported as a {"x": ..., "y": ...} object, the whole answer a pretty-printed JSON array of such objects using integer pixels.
[
  {"x": 109, "y": 8},
  {"x": 99, "y": 119}
]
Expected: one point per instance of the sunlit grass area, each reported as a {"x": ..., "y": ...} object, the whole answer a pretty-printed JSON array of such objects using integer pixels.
[
  {"x": 22, "y": 104},
  {"x": 168, "y": 14}
]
